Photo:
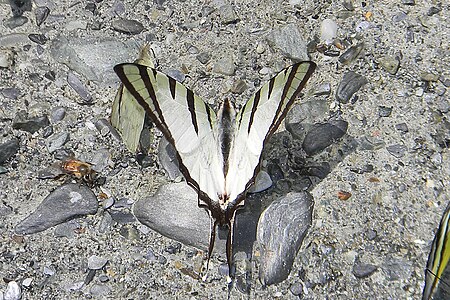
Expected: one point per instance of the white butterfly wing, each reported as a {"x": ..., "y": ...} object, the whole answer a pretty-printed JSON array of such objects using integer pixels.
[
  {"x": 257, "y": 121},
  {"x": 187, "y": 122}
]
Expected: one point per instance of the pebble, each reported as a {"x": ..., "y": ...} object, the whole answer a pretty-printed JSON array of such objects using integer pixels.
[
  {"x": 238, "y": 87},
  {"x": 173, "y": 212},
  {"x": 227, "y": 15},
  {"x": 13, "y": 291},
  {"x": 6, "y": 57},
  {"x": 38, "y": 38},
  {"x": 99, "y": 290},
  {"x": 203, "y": 57},
  {"x": 400, "y": 16},
  {"x": 27, "y": 282},
  {"x": 127, "y": 26},
  {"x": 176, "y": 74},
  {"x": 289, "y": 40},
  {"x": 103, "y": 126},
  {"x": 96, "y": 262},
  {"x": 409, "y": 2},
  {"x": 361, "y": 270},
  {"x": 76, "y": 25},
  {"x": 10, "y": 93},
  {"x": 433, "y": 10},
  {"x": 15, "y": 22},
  {"x": 79, "y": 87},
  {"x": 168, "y": 159},
  {"x": 396, "y": 268},
  {"x": 262, "y": 182},
  {"x": 323, "y": 89},
  {"x": 323, "y": 135},
  {"x": 8, "y": 149},
  {"x": 350, "y": 84},
  {"x": 56, "y": 141},
  {"x": 105, "y": 224},
  {"x": 64, "y": 203},
  {"x": 57, "y": 114},
  {"x": 390, "y": 64},
  {"x": 122, "y": 216},
  {"x": 41, "y": 14},
  {"x": 384, "y": 111},
  {"x": 5, "y": 210},
  {"x": 430, "y": 77},
  {"x": 19, "y": 7},
  {"x": 328, "y": 31},
  {"x": 397, "y": 150},
  {"x": 403, "y": 127},
  {"x": 225, "y": 66},
  {"x": 363, "y": 26},
  {"x": 30, "y": 125},
  {"x": 351, "y": 54},
  {"x": 281, "y": 229}
]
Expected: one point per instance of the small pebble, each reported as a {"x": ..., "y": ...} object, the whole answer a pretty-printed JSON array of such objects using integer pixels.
[
  {"x": 56, "y": 141},
  {"x": 238, "y": 87},
  {"x": 363, "y": 270},
  {"x": 38, "y": 38},
  {"x": 13, "y": 291},
  {"x": 15, "y": 22},
  {"x": 390, "y": 64},
  {"x": 96, "y": 262},
  {"x": 351, "y": 54},
  {"x": 127, "y": 26},
  {"x": 227, "y": 15},
  {"x": 409, "y": 2},
  {"x": 403, "y": 127},
  {"x": 350, "y": 84},
  {"x": 41, "y": 14},
  {"x": 6, "y": 58},
  {"x": 328, "y": 31},
  {"x": 79, "y": 87},
  {"x": 57, "y": 114},
  {"x": 11, "y": 93},
  {"x": 397, "y": 150},
  {"x": 384, "y": 111},
  {"x": 225, "y": 66}
]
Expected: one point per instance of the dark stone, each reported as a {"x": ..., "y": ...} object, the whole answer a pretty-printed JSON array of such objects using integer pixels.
[
  {"x": 18, "y": 7},
  {"x": 363, "y": 270},
  {"x": 127, "y": 26},
  {"x": 349, "y": 85},
  {"x": 397, "y": 150},
  {"x": 281, "y": 230},
  {"x": 30, "y": 125},
  {"x": 15, "y": 22},
  {"x": 38, "y": 38},
  {"x": 8, "y": 149},
  {"x": 41, "y": 14},
  {"x": 322, "y": 136},
  {"x": 64, "y": 203},
  {"x": 10, "y": 93}
]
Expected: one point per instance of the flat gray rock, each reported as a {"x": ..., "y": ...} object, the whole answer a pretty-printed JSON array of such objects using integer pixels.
[
  {"x": 323, "y": 135},
  {"x": 290, "y": 41},
  {"x": 8, "y": 149},
  {"x": 66, "y": 202},
  {"x": 281, "y": 230},
  {"x": 173, "y": 212},
  {"x": 350, "y": 84}
]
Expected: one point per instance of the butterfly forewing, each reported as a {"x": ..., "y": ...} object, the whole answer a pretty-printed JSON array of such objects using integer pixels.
[
  {"x": 186, "y": 121},
  {"x": 258, "y": 119}
]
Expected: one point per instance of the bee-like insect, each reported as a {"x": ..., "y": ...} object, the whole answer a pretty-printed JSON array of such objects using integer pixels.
[{"x": 79, "y": 169}]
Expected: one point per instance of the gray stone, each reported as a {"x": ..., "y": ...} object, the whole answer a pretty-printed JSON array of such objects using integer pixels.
[
  {"x": 322, "y": 136},
  {"x": 281, "y": 230},
  {"x": 168, "y": 160},
  {"x": 127, "y": 26},
  {"x": 56, "y": 141},
  {"x": 64, "y": 203},
  {"x": 370, "y": 143},
  {"x": 38, "y": 38},
  {"x": 94, "y": 58},
  {"x": 290, "y": 41},
  {"x": 8, "y": 149},
  {"x": 41, "y": 14},
  {"x": 13, "y": 291},
  {"x": 173, "y": 212},
  {"x": 262, "y": 182},
  {"x": 384, "y": 111},
  {"x": 18, "y": 7},
  {"x": 31, "y": 125},
  {"x": 403, "y": 127},
  {"x": 176, "y": 74},
  {"x": 15, "y": 22},
  {"x": 79, "y": 88},
  {"x": 361, "y": 270},
  {"x": 10, "y": 93},
  {"x": 96, "y": 262},
  {"x": 238, "y": 87},
  {"x": 323, "y": 89},
  {"x": 397, "y": 150},
  {"x": 12, "y": 40},
  {"x": 390, "y": 64},
  {"x": 57, "y": 114},
  {"x": 351, "y": 54},
  {"x": 225, "y": 66},
  {"x": 301, "y": 117},
  {"x": 203, "y": 57},
  {"x": 350, "y": 84},
  {"x": 4, "y": 210},
  {"x": 6, "y": 57},
  {"x": 227, "y": 14}
]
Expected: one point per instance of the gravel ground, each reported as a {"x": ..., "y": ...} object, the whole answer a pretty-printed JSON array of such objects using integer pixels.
[{"x": 374, "y": 245}]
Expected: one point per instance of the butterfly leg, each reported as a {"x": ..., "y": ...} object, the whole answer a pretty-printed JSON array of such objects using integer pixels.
[{"x": 212, "y": 239}]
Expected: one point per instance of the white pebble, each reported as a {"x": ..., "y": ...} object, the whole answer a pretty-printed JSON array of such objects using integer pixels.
[
  {"x": 328, "y": 31},
  {"x": 13, "y": 291}
]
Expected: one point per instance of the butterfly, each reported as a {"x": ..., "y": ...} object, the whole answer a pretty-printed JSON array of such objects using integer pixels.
[
  {"x": 437, "y": 275},
  {"x": 219, "y": 154}
]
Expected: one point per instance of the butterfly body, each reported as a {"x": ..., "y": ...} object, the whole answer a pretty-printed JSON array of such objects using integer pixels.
[{"x": 218, "y": 154}]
